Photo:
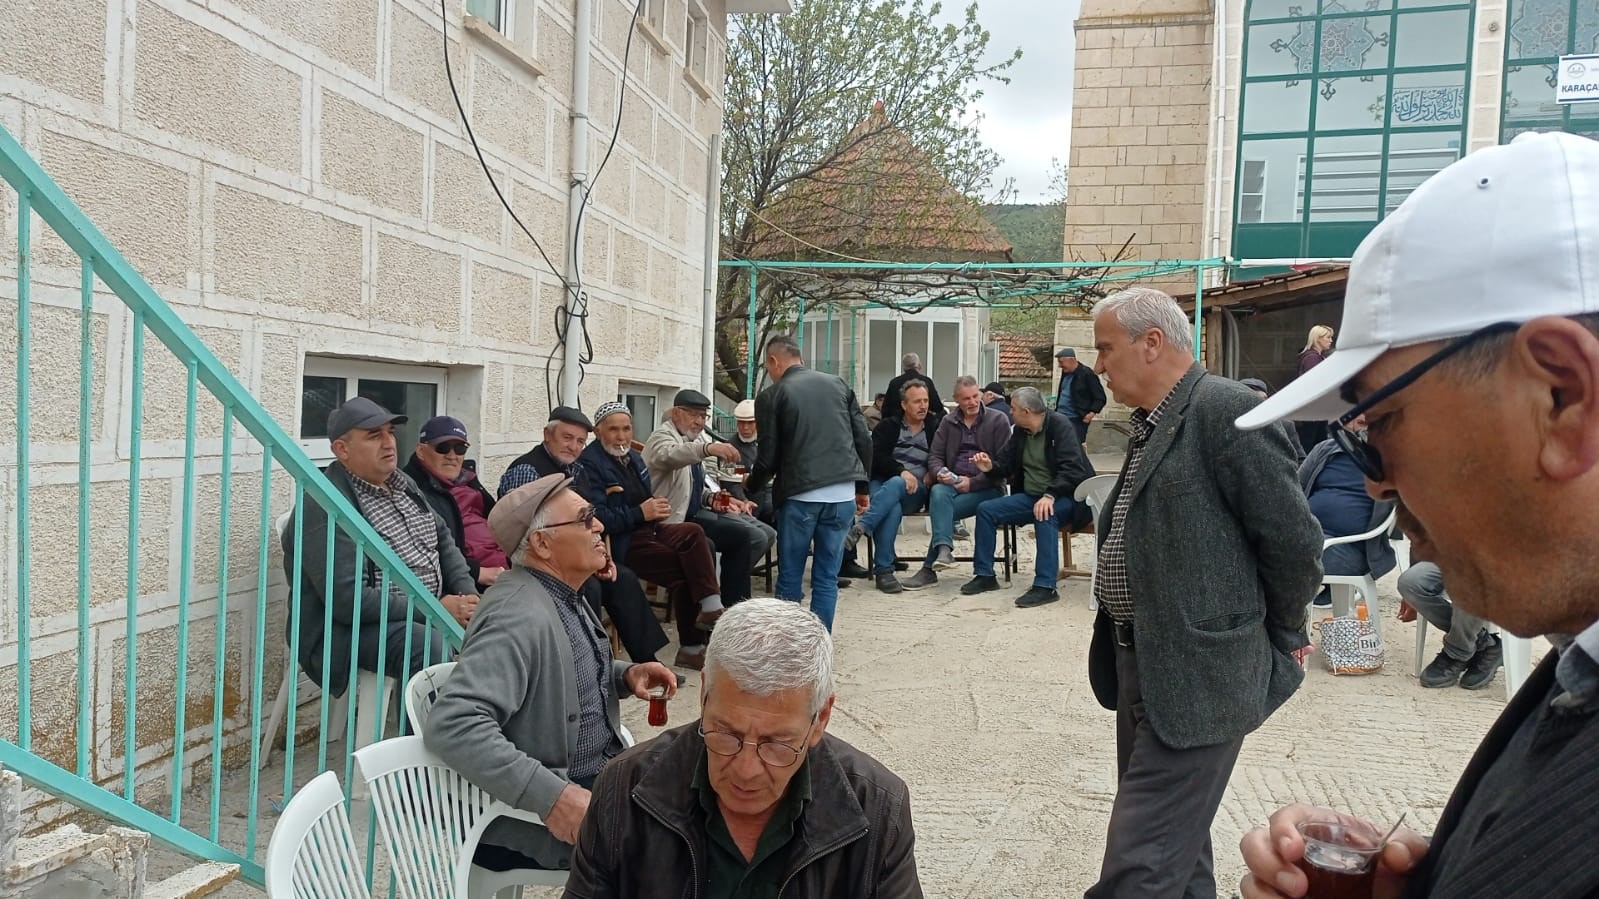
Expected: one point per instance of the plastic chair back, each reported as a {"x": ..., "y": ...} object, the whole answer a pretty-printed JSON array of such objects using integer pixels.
[
  {"x": 422, "y": 690},
  {"x": 431, "y": 818},
  {"x": 312, "y": 854}
]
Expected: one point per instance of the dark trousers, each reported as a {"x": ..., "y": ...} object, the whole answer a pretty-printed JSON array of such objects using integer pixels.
[
  {"x": 624, "y": 600},
  {"x": 1158, "y": 842},
  {"x": 1081, "y": 427},
  {"x": 501, "y": 858},
  {"x": 427, "y": 648},
  {"x": 742, "y": 541},
  {"x": 679, "y": 558}
]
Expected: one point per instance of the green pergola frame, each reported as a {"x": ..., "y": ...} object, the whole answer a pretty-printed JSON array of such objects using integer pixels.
[{"x": 1008, "y": 297}]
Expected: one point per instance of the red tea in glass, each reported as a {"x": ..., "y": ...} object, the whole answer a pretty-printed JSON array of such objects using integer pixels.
[
  {"x": 658, "y": 710},
  {"x": 1340, "y": 859}
]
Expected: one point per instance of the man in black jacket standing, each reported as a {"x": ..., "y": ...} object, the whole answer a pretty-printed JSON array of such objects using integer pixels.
[
  {"x": 815, "y": 450},
  {"x": 1081, "y": 396},
  {"x": 1044, "y": 462}
]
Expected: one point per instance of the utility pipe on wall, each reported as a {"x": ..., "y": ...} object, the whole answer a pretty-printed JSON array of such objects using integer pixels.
[
  {"x": 713, "y": 230},
  {"x": 1218, "y": 133},
  {"x": 582, "y": 38}
]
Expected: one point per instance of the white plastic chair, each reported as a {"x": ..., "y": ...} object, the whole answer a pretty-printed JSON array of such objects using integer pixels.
[
  {"x": 1094, "y": 492},
  {"x": 431, "y": 818},
  {"x": 312, "y": 854},
  {"x": 1343, "y": 586},
  {"x": 422, "y": 690},
  {"x": 367, "y": 706}
]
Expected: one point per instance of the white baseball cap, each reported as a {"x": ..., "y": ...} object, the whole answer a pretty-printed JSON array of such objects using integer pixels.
[{"x": 1507, "y": 234}]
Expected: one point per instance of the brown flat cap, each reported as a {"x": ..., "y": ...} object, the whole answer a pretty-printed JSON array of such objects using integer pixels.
[{"x": 511, "y": 516}]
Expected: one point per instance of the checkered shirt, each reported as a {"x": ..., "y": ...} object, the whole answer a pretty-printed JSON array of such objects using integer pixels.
[
  {"x": 591, "y": 657},
  {"x": 405, "y": 522},
  {"x": 1111, "y": 589}
]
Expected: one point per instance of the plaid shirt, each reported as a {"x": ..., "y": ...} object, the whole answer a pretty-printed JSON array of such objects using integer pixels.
[
  {"x": 591, "y": 657},
  {"x": 1111, "y": 589},
  {"x": 406, "y": 523}
]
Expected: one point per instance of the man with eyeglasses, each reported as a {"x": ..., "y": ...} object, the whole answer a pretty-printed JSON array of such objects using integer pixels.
[
  {"x": 1477, "y": 300},
  {"x": 530, "y": 713},
  {"x": 450, "y": 484},
  {"x": 677, "y": 454},
  {"x": 755, "y": 799}
]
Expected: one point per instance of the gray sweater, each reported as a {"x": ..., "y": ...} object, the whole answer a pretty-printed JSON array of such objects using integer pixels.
[{"x": 507, "y": 718}]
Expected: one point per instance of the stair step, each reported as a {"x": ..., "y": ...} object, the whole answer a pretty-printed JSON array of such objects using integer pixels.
[
  {"x": 10, "y": 816},
  {"x": 200, "y": 880},
  {"x": 38, "y": 856}
]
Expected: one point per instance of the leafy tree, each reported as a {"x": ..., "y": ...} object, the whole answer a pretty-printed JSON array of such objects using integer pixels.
[{"x": 798, "y": 84}]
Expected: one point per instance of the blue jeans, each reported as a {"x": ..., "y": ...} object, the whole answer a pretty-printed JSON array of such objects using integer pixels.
[
  {"x": 815, "y": 531},
  {"x": 1018, "y": 509},
  {"x": 890, "y": 505},
  {"x": 947, "y": 506}
]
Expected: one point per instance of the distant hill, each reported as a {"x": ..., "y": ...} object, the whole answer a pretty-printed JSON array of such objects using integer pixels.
[{"x": 1037, "y": 231}]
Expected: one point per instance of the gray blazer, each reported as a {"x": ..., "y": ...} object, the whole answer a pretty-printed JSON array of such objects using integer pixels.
[
  {"x": 1223, "y": 556},
  {"x": 507, "y": 717}
]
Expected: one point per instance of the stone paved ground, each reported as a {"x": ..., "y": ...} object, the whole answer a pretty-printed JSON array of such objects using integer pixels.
[{"x": 985, "y": 710}]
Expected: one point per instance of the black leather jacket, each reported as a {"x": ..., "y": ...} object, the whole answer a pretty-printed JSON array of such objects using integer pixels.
[
  {"x": 812, "y": 435},
  {"x": 644, "y": 834}
]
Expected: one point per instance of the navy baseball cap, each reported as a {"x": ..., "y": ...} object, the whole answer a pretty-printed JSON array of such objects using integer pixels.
[{"x": 440, "y": 428}]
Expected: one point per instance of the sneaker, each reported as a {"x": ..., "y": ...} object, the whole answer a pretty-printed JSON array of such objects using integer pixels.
[
  {"x": 943, "y": 558},
  {"x": 852, "y": 568},
  {"x": 982, "y": 583},
  {"x": 854, "y": 538},
  {"x": 888, "y": 583},
  {"x": 1443, "y": 671},
  {"x": 924, "y": 577},
  {"x": 1036, "y": 596},
  {"x": 1480, "y": 670},
  {"x": 962, "y": 532}
]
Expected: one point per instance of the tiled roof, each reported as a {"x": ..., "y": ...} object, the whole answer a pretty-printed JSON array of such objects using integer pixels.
[
  {"x": 880, "y": 199},
  {"x": 1023, "y": 356}
]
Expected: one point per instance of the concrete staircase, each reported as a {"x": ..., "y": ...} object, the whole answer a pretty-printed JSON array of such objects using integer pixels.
[{"x": 71, "y": 863}]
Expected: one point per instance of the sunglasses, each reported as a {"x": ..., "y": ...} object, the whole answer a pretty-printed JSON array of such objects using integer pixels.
[
  {"x": 584, "y": 518},
  {"x": 1364, "y": 455},
  {"x": 453, "y": 448}
]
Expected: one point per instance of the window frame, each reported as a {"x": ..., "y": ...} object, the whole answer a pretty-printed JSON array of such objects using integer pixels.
[
  {"x": 1305, "y": 236},
  {"x": 1586, "y": 124},
  {"x": 353, "y": 370},
  {"x": 502, "y": 17}
]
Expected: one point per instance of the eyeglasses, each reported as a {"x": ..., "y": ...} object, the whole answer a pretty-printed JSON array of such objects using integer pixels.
[
  {"x": 771, "y": 752},
  {"x": 584, "y": 518},
  {"x": 1364, "y": 455},
  {"x": 453, "y": 448}
]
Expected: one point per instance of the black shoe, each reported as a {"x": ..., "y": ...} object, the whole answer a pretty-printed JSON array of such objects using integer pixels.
[
  {"x": 1443, "y": 671},
  {"x": 888, "y": 583},
  {"x": 902, "y": 566},
  {"x": 845, "y": 583},
  {"x": 924, "y": 577},
  {"x": 1480, "y": 670},
  {"x": 982, "y": 583},
  {"x": 1036, "y": 596},
  {"x": 852, "y": 568}
]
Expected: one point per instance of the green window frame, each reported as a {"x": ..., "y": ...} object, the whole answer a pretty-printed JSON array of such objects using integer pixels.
[
  {"x": 1537, "y": 34},
  {"x": 1346, "y": 106}
]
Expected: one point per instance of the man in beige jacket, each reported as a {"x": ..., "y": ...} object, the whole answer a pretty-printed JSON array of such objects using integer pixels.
[{"x": 677, "y": 455}]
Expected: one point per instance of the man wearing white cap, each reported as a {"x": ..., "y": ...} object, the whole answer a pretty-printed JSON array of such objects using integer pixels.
[
  {"x": 747, "y": 441},
  {"x": 1478, "y": 300}
]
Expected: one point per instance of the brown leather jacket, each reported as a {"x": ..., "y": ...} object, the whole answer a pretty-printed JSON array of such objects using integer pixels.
[{"x": 644, "y": 834}]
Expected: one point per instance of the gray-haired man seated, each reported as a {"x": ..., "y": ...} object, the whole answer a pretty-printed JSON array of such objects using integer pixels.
[
  {"x": 755, "y": 797},
  {"x": 530, "y": 713}
]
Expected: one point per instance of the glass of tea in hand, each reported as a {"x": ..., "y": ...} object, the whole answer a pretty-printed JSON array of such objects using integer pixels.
[
  {"x": 1340, "y": 859},
  {"x": 658, "y": 708}
]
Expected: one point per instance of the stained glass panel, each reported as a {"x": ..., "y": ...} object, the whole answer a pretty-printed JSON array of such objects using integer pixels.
[
  {"x": 1432, "y": 39},
  {"x": 1277, "y": 106},
  {"x": 1355, "y": 44}
]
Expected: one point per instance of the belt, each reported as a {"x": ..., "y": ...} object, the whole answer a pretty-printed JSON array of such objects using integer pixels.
[{"x": 1123, "y": 631}]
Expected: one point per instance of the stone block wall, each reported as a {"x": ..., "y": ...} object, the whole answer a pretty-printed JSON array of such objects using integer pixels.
[{"x": 294, "y": 179}]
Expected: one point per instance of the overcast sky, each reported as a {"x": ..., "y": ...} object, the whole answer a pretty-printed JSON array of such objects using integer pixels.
[{"x": 1028, "y": 121}]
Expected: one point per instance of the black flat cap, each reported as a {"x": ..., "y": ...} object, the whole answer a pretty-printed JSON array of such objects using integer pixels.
[
  {"x": 571, "y": 416},
  {"x": 996, "y": 387},
  {"x": 691, "y": 399},
  {"x": 362, "y": 413}
]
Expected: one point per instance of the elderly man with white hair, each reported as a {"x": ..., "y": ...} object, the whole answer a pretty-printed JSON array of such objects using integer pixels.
[
  {"x": 755, "y": 798},
  {"x": 530, "y": 713}
]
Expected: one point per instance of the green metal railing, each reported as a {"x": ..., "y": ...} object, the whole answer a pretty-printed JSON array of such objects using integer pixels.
[{"x": 178, "y": 784}]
